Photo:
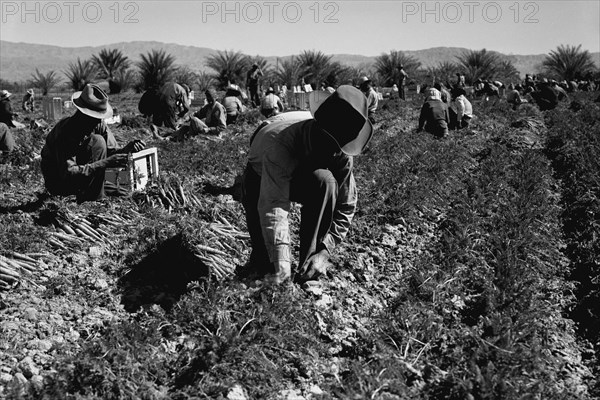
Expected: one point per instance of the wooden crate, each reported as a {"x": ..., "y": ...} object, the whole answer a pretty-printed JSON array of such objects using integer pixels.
[
  {"x": 52, "y": 108},
  {"x": 141, "y": 169}
]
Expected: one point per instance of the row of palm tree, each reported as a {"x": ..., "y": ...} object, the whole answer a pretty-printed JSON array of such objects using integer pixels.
[{"x": 309, "y": 67}]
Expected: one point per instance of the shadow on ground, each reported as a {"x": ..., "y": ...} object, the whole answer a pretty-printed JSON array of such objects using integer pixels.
[{"x": 162, "y": 277}]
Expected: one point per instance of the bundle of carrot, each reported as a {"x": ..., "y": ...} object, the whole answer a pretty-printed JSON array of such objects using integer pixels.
[
  {"x": 72, "y": 230},
  {"x": 223, "y": 242},
  {"x": 13, "y": 267},
  {"x": 170, "y": 195}
]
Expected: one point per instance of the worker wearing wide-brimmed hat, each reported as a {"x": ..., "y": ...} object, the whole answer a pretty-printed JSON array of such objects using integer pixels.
[
  {"x": 308, "y": 161},
  {"x": 372, "y": 97},
  {"x": 79, "y": 148},
  {"x": 28, "y": 99},
  {"x": 253, "y": 82},
  {"x": 6, "y": 112},
  {"x": 7, "y": 140}
]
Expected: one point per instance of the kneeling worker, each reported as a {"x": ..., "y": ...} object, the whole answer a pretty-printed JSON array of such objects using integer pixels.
[
  {"x": 307, "y": 161},
  {"x": 79, "y": 148}
]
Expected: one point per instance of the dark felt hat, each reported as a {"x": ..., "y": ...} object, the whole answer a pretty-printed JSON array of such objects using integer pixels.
[
  {"x": 344, "y": 117},
  {"x": 92, "y": 101}
]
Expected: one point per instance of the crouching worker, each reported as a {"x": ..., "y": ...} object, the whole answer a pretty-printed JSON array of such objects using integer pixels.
[
  {"x": 310, "y": 162},
  {"x": 80, "y": 148},
  {"x": 434, "y": 115},
  {"x": 213, "y": 113}
]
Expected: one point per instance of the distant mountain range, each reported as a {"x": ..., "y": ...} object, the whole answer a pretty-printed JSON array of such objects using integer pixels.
[{"x": 19, "y": 60}]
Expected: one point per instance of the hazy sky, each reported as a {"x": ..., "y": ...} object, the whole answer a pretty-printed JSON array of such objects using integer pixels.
[{"x": 288, "y": 27}]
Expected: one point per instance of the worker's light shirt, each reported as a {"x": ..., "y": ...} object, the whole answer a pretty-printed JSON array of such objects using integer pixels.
[{"x": 278, "y": 152}]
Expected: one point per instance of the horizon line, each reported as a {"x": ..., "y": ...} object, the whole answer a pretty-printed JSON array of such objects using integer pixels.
[{"x": 288, "y": 55}]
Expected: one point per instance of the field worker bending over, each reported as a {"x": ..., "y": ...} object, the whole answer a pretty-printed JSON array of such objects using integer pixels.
[
  {"x": 372, "y": 100},
  {"x": 166, "y": 105},
  {"x": 461, "y": 110},
  {"x": 270, "y": 104},
  {"x": 28, "y": 100},
  {"x": 232, "y": 103},
  {"x": 513, "y": 97},
  {"x": 80, "y": 148},
  {"x": 434, "y": 115},
  {"x": 310, "y": 162}
]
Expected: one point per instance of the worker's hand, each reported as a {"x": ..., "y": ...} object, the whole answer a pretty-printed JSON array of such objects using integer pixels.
[
  {"x": 283, "y": 272},
  {"x": 315, "y": 266},
  {"x": 134, "y": 146},
  {"x": 118, "y": 160}
]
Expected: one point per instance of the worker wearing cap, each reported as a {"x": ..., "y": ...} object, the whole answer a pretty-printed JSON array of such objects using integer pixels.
[
  {"x": 372, "y": 99},
  {"x": 308, "y": 161},
  {"x": 213, "y": 113},
  {"x": 79, "y": 148},
  {"x": 270, "y": 104}
]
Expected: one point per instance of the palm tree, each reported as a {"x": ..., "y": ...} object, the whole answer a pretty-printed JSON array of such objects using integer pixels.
[
  {"x": 568, "y": 63},
  {"x": 508, "y": 73},
  {"x": 110, "y": 63},
  {"x": 184, "y": 74},
  {"x": 156, "y": 68},
  {"x": 315, "y": 66},
  {"x": 44, "y": 82},
  {"x": 479, "y": 64},
  {"x": 229, "y": 66},
  {"x": 288, "y": 72},
  {"x": 444, "y": 72},
  {"x": 205, "y": 81},
  {"x": 124, "y": 79},
  {"x": 81, "y": 73},
  {"x": 387, "y": 66}
]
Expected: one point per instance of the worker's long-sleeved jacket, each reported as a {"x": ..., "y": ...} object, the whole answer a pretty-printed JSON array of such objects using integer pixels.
[
  {"x": 59, "y": 154},
  {"x": 279, "y": 152}
]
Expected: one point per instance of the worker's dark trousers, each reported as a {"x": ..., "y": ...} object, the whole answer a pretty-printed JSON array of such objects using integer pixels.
[
  {"x": 84, "y": 187},
  {"x": 254, "y": 97},
  {"x": 401, "y": 94},
  {"x": 317, "y": 192}
]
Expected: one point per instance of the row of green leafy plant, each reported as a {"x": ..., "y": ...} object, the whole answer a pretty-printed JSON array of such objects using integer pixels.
[
  {"x": 574, "y": 148},
  {"x": 484, "y": 304},
  {"x": 478, "y": 315}
]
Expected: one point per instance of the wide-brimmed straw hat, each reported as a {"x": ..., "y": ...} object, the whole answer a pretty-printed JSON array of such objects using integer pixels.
[
  {"x": 343, "y": 115},
  {"x": 30, "y": 91},
  {"x": 92, "y": 101},
  {"x": 5, "y": 94}
]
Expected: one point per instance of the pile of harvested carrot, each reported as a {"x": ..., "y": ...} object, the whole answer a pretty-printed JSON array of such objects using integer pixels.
[
  {"x": 223, "y": 246},
  {"x": 72, "y": 230},
  {"x": 14, "y": 267},
  {"x": 171, "y": 196}
]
